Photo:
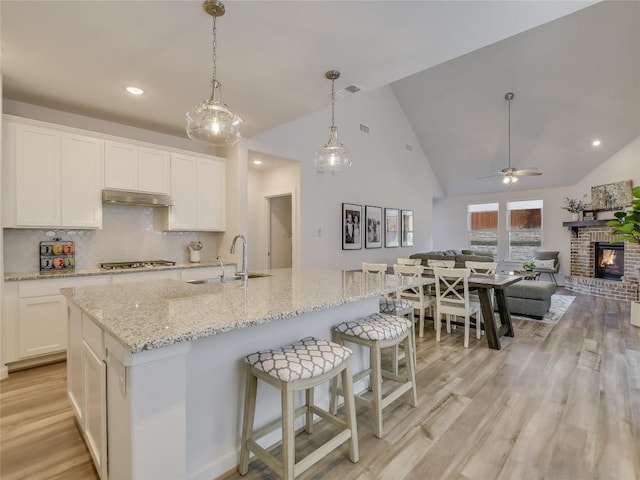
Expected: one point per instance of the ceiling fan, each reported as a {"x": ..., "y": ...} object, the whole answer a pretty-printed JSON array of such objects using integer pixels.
[{"x": 510, "y": 174}]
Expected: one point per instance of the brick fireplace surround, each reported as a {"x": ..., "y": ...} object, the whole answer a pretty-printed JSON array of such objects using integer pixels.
[{"x": 582, "y": 277}]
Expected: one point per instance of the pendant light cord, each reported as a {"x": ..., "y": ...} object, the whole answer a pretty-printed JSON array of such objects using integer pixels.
[
  {"x": 213, "y": 54},
  {"x": 333, "y": 102},
  {"x": 509, "y": 130}
]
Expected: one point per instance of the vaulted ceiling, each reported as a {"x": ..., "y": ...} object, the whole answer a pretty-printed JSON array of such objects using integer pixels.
[{"x": 574, "y": 67}]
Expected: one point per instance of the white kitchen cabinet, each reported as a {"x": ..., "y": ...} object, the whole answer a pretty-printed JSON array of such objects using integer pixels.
[
  {"x": 95, "y": 393},
  {"x": 198, "y": 191},
  {"x": 87, "y": 384},
  {"x": 52, "y": 177},
  {"x": 42, "y": 325},
  {"x": 34, "y": 317},
  {"x": 75, "y": 373},
  {"x": 129, "y": 166},
  {"x": 81, "y": 165}
]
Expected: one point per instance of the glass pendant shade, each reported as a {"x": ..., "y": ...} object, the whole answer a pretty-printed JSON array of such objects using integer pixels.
[
  {"x": 213, "y": 122},
  {"x": 334, "y": 156}
]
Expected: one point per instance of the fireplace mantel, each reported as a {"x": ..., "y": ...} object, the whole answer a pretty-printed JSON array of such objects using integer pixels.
[{"x": 574, "y": 226}]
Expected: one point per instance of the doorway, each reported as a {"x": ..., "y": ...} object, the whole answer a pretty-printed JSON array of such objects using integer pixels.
[{"x": 280, "y": 231}]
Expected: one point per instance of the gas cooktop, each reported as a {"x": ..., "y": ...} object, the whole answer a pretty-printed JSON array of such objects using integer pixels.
[{"x": 136, "y": 264}]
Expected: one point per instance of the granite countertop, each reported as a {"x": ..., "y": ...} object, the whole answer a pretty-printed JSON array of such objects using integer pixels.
[
  {"x": 85, "y": 272},
  {"x": 148, "y": 315}
]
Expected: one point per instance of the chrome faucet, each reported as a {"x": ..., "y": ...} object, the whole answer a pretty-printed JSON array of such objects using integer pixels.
[
  {"x": 221, "y": 269},
  {"x": 242, "y": 274}
]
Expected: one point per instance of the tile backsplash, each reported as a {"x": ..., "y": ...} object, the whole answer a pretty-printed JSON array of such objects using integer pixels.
[{"x": 127, "y": 234}]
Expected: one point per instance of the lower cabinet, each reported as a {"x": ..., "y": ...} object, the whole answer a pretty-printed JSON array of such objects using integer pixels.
[
  {"x": 34, "y": 318},
  {"x": 42, "y": 327},
  {"x": 87, "y": 385}
]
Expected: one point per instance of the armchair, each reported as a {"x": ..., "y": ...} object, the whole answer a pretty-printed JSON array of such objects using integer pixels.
[{"x": 547, "y": 262}]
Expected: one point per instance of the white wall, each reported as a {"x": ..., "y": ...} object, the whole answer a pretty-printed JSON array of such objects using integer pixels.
[
  {"x": 270, "y": 183},
  {"x": 450, "y": 217},
  {"x": 383, "y": 174}
]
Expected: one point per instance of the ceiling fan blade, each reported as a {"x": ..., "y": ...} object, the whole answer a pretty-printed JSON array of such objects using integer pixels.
[
  {"x": 526, "y": 172},
  {"x": 492, "y": 174}
]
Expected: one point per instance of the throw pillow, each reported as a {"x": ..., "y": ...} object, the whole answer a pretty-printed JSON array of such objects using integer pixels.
[{"x": 547, "y": 264}]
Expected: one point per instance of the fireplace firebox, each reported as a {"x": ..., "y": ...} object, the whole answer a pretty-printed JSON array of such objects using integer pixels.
[{"x": 609, "y": 260}]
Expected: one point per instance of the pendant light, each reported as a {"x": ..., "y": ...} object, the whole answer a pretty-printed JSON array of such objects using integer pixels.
[
  {"x": 213, "y": 121},
  {"x": 334, "y": 156}
]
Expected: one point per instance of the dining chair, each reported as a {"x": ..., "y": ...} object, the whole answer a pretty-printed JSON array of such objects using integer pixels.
[
  {"x": 482, "y": 268},
  {"x": 416, "y": 295},
  {"x": 389, "y": 304},
  {"x": 409, "y": 261},
  {"x": 441, "y": 263},
  {"x": 452, "y": 298}
]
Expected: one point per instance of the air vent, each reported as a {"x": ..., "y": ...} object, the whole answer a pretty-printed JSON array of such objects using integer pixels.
[
  {"x": 364, "y": 128},
  {"x": 351, "y": 88}
]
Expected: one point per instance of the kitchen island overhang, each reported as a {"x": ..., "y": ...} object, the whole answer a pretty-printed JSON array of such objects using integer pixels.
[{"x": 174, "y": 359}]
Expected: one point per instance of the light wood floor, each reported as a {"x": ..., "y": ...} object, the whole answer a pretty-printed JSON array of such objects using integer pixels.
[{"x": 557, "y": 402}]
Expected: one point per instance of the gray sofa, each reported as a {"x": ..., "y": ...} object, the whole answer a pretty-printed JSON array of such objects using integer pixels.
[{"x": 460, "y": 256}]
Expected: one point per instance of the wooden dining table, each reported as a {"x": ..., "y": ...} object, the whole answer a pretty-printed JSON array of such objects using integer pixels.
[
  {"x": 498, "y": 282},
  {"x": 484, "y": 283}
]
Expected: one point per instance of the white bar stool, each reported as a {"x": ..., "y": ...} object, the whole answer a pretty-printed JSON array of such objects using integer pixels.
[
  {"x": 378, "y": 331},
  {"x": 299, "y": 366}
]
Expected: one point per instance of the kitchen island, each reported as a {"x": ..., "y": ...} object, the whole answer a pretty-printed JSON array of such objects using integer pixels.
[{"x": 156, "y": 371}]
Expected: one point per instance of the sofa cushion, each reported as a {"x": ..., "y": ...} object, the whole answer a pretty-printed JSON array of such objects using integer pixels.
[
  {"x": 461, "y": 259},
  {"x": 547, "y": 264},
  {"x": 484, "y": 253},
  {"x": 531, "y": 289}
]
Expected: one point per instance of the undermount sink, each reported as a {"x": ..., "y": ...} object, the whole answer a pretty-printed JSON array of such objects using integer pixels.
[{"x": 227, "y": 279}]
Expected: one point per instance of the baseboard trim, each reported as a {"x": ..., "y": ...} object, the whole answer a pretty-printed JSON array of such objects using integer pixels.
[
  {"x": 4, "y": 372},
  {"x": 36, "y": 362}
]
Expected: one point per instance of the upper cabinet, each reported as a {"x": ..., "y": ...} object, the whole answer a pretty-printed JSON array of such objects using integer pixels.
[
  {"x": 51, "y": 177},
  {"x": 128, "y": 166},
  {"x": 198, "y": 191}
]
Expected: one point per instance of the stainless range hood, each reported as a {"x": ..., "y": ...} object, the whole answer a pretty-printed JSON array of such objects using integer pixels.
[{"x": 123, "y": 197}]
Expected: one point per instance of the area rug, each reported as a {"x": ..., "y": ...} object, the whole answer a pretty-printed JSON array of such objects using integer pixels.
[{"x": 559, "y": 305}]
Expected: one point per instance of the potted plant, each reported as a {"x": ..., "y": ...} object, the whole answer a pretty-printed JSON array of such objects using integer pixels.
[
  {"x": 575, "y": 206},
  {"x": 529, "y": 266},
  {"x": 627, "y": 229}
]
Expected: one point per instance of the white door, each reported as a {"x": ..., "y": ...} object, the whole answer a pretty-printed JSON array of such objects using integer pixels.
[{"x": 280, "y": 232}]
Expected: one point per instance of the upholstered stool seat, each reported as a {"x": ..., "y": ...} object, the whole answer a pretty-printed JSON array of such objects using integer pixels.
[
  {"x": 299, "y": 366},
  {"x": 395, "y": 306},
  {"x": 378, "y": 331}
]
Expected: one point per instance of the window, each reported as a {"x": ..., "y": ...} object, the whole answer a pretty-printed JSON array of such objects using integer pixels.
[
  {"x": 524, "y": 224},
  {"x": 482, "y": 227}
]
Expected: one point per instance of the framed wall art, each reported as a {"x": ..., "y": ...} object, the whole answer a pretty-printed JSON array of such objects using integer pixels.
[
  {"x": 351, "y": 220},
  {"x": 612, "y": 196},
  {"x": 373, "y": 223},
  {"x": 407, "y": 228},
  {"x": 391, "y": 227}
]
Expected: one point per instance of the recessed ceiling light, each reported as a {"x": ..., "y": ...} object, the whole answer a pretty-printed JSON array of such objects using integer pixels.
[
  {"x": 257, "y": 162},
  {"x": 596, "y": 142},
  {"x": 135, "y": 90}
]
